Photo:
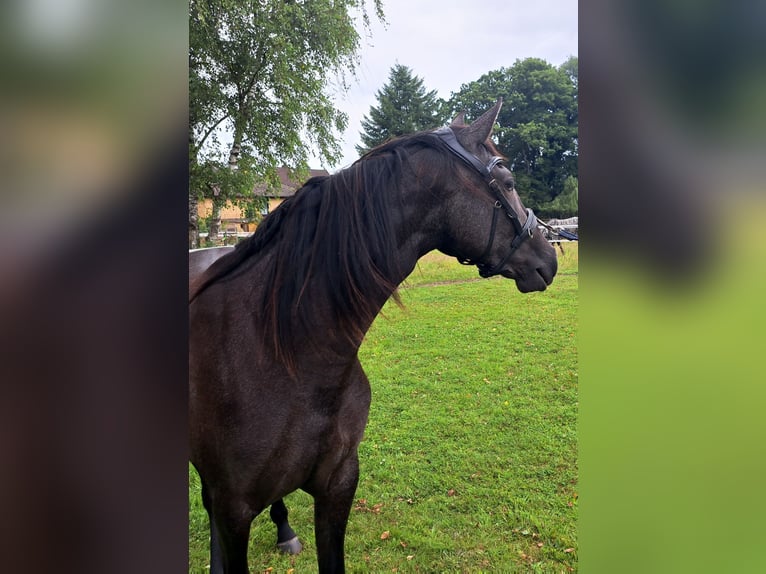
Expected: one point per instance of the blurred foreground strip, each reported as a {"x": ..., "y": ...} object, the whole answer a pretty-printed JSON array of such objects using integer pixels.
[
  {"x": 93, "y": 117},
  {"x": 672, "y": 284}
]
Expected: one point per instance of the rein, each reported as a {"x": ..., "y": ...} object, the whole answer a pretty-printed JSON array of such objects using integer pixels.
[
  {"x": 562, "y": 232},
  {"x": 523, "y": 232}
]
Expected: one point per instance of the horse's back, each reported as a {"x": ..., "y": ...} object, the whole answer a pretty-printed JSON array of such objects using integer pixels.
[{"x": 201, "y": 259}]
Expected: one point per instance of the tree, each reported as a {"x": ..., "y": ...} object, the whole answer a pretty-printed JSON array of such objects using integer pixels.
[
  {"x": 538, "y": 124},
  {"x": 565, "y": 204},
  {"x": 258, "y": 77},
  {"x": 570, "y": 68},
  {"x": 404, "y": 106}
]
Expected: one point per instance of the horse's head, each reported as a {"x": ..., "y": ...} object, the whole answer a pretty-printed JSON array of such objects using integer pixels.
[{"x": 490, "y": 228}]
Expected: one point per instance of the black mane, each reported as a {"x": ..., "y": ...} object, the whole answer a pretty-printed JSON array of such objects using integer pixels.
[{"x": 337, "y": 234}]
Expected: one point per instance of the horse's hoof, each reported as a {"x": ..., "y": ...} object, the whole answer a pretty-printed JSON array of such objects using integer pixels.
[{"x": 292, "y": 546}]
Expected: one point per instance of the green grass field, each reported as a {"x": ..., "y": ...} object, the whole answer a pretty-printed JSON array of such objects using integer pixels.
[{"x": 469, "y": 461}]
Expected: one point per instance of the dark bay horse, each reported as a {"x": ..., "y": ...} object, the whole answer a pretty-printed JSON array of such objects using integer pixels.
[{"x": 278, "y": 399}]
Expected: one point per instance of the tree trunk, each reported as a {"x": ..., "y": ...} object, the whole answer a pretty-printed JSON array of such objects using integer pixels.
[
  {"x": 214, "y": 228},
  {"x": 234, "y": 155},
  {"x": 193, "y": 222}
]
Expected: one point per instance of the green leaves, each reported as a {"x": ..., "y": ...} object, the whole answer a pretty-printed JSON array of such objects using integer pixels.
[{"x": 258, "y": 77}]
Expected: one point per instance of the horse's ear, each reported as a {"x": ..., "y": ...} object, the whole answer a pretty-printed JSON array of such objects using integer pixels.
[
  {"x": 459, "y": 120},
  {"x": 478, "y": 132}
]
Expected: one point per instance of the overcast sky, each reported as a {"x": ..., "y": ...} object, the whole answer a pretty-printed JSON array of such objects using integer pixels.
[{"x": 448, "y": 43}]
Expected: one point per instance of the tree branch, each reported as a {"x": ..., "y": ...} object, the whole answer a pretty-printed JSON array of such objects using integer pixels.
[{"x": 207, "y": 134}]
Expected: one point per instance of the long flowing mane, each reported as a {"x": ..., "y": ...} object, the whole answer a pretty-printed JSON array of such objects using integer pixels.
[{"x": 336, "y": 234}]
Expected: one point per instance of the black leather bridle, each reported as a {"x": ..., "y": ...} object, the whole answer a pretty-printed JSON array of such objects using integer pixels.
[{"x": 523, "y": 232}]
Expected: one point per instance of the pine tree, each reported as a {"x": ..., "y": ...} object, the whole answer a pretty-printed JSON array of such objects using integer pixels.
[{"x": 404, "y": 107}]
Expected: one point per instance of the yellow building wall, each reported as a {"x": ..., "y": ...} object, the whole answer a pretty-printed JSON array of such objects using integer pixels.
[
  {"x": 228, "y": 211},
  {"x": 231, "y": 212},
  {"x": 274, "y": 203}
]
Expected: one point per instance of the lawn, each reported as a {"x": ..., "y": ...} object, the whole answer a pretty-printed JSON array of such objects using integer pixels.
[{"x": 469, "y": 461}]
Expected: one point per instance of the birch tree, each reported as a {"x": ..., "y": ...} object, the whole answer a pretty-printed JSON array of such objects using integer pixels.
[{"x": 262, "y": 74}]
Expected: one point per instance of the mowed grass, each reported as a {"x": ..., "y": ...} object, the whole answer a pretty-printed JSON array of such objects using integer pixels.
[{"x": 469, "y": 461}]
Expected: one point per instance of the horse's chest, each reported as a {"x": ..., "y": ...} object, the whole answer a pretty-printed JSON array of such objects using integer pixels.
[{"x": 337, "y": 416}]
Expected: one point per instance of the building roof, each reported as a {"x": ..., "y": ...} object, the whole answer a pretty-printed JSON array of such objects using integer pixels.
[{"x": 288, "y": 187}]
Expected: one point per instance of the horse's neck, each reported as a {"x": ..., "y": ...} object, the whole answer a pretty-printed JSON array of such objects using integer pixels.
[
  {"x": 417, "y": 232},
  {"x": 419, "y": 229}
]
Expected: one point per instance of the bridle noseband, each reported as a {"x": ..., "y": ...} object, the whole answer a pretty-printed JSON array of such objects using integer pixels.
[{"x": 523, "y": 232}]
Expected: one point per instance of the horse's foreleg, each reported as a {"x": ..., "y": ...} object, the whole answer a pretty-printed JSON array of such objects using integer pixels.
[
  {"x": 230, "y": 531},
  {"x": 331, "y": 509},
  {"x": 216, "y": 559},
  {"x": 287, "y": 540}
]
